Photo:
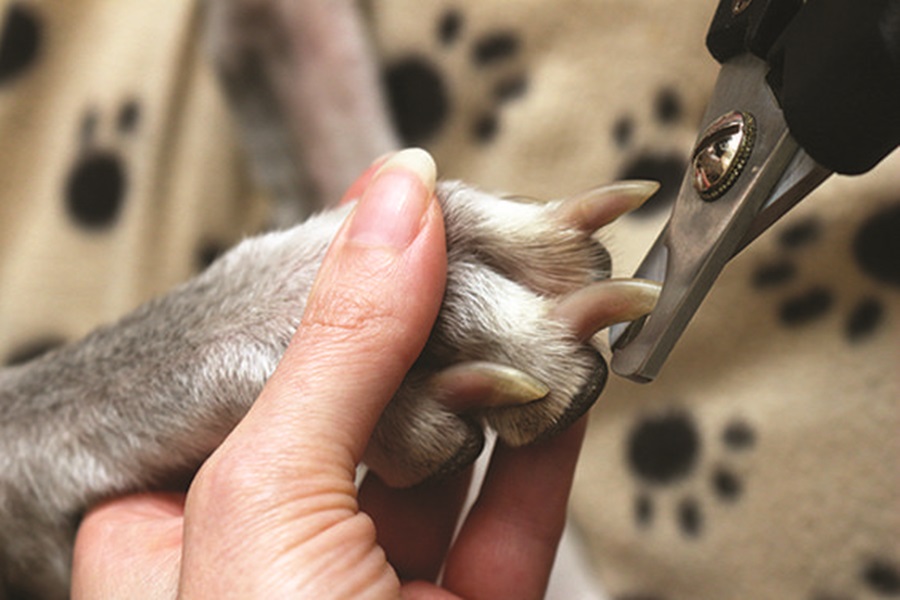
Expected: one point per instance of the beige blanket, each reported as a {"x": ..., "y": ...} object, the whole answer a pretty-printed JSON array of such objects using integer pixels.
[{"x": 765, "y": 461}]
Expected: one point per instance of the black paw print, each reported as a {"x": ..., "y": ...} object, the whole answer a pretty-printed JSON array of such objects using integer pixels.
[
  {"x": 876, "y": 246},
  {"x": 418, "y": 92},
  {"x": 32, "y": 350},
  {"x": 877, "y": 578},
  {"x": 666, "y": 450},
  {"x": 663, "y": 164},
  {"x": 20, "y": 41},
  {"x": 97, "y": 184}
]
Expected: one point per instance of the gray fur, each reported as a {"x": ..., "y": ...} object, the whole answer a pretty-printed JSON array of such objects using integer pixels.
[
  {"x": 142, "y": 402},
  {"x": 304, "y": 88}
]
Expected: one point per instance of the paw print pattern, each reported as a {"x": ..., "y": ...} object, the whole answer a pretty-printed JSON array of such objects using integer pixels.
[
  {"x": 877, "y": 578},
  {"x": 665, "y": 454},
  {"x": 665, "y": 165},
  {"x": 32, "y": 350},
  {"x": 419, "y": 92},
  {"x": 875, "y": 248},
  {"x": 20, "y": 41},
  {"x": 97, "y": 184},
  {"x": 882, "y": 578}
]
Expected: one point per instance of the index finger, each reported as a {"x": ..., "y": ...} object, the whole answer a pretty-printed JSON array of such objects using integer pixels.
[{"x": 507, "y": 545}]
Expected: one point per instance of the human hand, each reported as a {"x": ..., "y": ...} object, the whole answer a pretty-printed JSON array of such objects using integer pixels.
[{"x": 274, "y": 511}]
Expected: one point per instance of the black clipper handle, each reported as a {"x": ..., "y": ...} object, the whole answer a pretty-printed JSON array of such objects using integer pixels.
[{"x": 835, "y": 69}]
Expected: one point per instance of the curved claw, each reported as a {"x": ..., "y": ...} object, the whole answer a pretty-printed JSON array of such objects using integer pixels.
[
  {"x": 601, "y": 206},
  {"x": 480, "y": 384},
  {"x": 544, "y": 419},
  {"x": 597, "y": 306}
]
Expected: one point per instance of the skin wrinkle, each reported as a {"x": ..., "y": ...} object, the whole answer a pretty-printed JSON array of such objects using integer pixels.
[
  {"x": 348, "y": 308},
  {"x": 348, "y": 545},
  {"x": 242, "y": 474},
  {"x": 314, "y": 515}
]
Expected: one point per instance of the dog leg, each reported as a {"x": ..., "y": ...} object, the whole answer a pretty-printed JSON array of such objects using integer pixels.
[
  {"x": 141, "y": 403},
  {"x": 303, "y": 83}
]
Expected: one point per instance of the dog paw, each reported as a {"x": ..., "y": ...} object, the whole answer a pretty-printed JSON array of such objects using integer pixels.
[{"x": 528, "y": 286}]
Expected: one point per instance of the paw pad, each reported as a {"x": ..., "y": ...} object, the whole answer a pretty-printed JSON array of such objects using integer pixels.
[
  {"x": 419, "y": 90},
  {"x": 875, "y": 246},
  {"x": 654, "y": 162},
  {"x": 665, "y": 454},
  {"x": 20, "y": 41},
  {"x": 877, "y": 578},
  {"x": 97, "y": 184}
]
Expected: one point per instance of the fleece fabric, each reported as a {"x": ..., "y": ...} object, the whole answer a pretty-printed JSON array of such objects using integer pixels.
[{"x": 763, "y": 463}]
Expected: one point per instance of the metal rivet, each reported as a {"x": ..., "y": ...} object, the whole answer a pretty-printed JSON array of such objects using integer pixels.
[
  {"x": 739, "y": 6},
  {"x": 722, "y": 153}
]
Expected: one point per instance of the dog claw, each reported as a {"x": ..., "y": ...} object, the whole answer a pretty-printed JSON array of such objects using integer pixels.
[
  {"x": 600, "y": 206},
  {"x": 599, "y": 305},
  {"x": 479, "y": 384}
]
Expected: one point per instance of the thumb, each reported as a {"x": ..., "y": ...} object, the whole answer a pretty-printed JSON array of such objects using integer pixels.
[
  {"x": 367, "y": 318},
  {"x": 285, "y": 474}
]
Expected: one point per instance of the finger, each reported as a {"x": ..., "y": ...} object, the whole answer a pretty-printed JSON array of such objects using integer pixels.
[
  {"x": 366, "y": 320},
  {"x": 508, "y": 542},
  {"x": 423, "y": 590},
  {"x": 129, "y": 548},
  {"x": 415, "y": 525},
  {"x": 283, "y": 479}
]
